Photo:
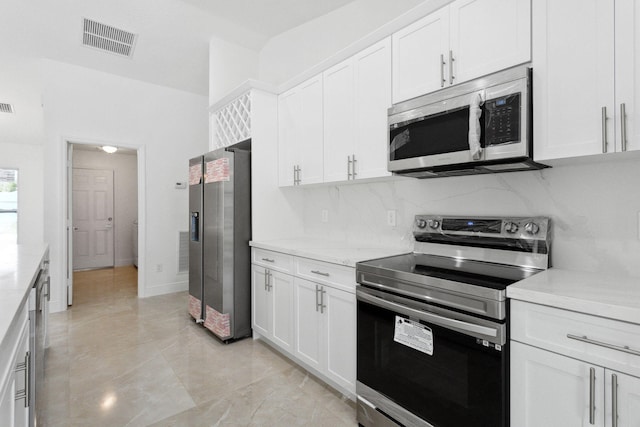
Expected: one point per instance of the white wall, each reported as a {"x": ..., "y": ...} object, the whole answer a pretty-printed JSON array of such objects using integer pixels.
[
  {"x": 168, "y": 126},
  {"x": 229, "y": 66},
  {"x": 28, "y": 159},
  {"x": 291, "y": 53},
  {"x": 125, "y": 189}
]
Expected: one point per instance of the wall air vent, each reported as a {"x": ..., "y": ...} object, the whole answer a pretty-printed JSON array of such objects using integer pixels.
[
  {"x": 6, "y": 108},
  {"x": 108, "y": 38},
  {"x": 183, "y": 251}
]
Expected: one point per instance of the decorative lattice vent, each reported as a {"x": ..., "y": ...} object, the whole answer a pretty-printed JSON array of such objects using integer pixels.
[
  {"x": 6, "y": 108},
  {"x": 183, "y": 252},
  {"x": 233, "y": 122},
  {"x": 107, "y": 38}
]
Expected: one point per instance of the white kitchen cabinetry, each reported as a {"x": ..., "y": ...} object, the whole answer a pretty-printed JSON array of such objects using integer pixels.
[
  {"x": 300, "y": 134},
  {"x": 572, "y": 369},
  {"x": 317, "y": 311},
  {"x": 272, "y": 308},
  {"x": 14, "y": 411},
  {"x": 357, "y": 94},
  {"x": 462, "y": 41},
  {"x": 325, "y": 330},
  {"x": 585, "y": 77}
]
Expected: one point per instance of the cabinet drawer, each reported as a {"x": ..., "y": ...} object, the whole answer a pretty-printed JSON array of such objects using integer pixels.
[
  {"x": 338, "y": 276},
  {"x": 599, "y": 341},
  {"x": 272, "y": 260}
]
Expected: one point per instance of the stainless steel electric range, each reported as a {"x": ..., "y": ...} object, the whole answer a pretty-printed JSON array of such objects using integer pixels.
[{"x": 432, "y": 325}]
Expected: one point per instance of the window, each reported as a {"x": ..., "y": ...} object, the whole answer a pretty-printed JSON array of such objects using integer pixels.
[{"x": 8, "y": 206}]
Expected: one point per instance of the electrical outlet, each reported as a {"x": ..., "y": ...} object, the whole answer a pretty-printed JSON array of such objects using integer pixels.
[
  {"x": 325, "y": 215},
  {"x": 391, "y": 218},
  {"x": 158, "y": 268}
]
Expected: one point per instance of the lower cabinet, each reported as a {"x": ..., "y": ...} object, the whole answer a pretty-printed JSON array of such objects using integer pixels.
[
  {"x": 552, "y": 389},
  {"x": 325, "y": 334},
  {"x": 14, "y": 404},
  {"x": 314, "y": 322},
  {"x": 272, "y": 306}
]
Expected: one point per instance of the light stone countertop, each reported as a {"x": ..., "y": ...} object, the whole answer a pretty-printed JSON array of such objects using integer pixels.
[
  {"x": 19, "y": 267},
  {"x": 606, "y": 295},
  {"x": 334, "y": 252}
]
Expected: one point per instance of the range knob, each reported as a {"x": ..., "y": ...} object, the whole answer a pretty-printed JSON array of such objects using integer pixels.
[
  {"x": 531, "y": 228},
  {"x": 421, "y": 223},
  {"x": 433, "y": 223},
  {"x": 511, "y": 227}
]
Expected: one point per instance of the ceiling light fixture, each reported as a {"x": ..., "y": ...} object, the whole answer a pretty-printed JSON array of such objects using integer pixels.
[{"x": 109, "y": 149}]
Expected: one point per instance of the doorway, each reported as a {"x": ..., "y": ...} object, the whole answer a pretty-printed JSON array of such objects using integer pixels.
[{"x": 102, "y": 210}]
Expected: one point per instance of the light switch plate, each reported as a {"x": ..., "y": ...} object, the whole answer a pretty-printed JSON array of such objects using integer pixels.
[
  {"x": 391, "y": 218},
  {"x": 325, "y": 215}
]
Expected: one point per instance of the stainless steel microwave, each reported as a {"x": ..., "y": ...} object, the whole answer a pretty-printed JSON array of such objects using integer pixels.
[{"x": 481, "y": 126}]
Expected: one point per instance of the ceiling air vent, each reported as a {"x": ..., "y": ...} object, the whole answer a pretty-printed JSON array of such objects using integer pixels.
[
  {"x": 6, "y": 108},
  {"x": 108, "y": 38}
]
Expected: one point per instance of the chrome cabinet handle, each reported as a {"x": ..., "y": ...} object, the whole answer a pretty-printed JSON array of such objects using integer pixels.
[
  {"x": 451, "y": 59},
  {"x": 317, "y": 292},
  {"x": 353, "y": 166},
  {"x": 604, "y": 129},
  {"x": 320, "y": 273},
  {"x": 592, "y": 395},
  {"x": 614, "y": 400},
  {"x": 266, "y": 277},
  {"x": 349, "y": 163},
  {"x": 26, "y": 367},
  {"x": 623, "y": 126},
  {"x": 322, "y": 306},
  {"x": 624, "y": 349},
  {"x": 299, "y": 179},
  {"x": 442, "y": 64},
  {"x": 268, "y": 260}
]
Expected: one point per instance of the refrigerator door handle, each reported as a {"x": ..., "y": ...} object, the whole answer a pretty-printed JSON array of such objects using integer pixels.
[{"x": 195, "y": 227}]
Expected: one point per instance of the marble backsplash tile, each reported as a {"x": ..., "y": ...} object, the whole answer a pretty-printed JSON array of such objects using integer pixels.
[{"x": 594, "y": 209}]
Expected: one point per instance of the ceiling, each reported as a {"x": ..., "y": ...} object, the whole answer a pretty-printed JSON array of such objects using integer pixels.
[{"x": 173, "y": 35}]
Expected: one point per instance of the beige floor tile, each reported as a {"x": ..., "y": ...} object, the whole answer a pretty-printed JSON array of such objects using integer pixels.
[{"x": 116, "y": 360}]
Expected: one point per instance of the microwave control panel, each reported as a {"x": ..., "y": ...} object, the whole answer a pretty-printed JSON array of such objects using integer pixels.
[{"x": 502, "y": 120}]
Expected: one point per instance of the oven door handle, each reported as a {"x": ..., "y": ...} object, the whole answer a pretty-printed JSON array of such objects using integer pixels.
[{"x": 428, "y": 317}]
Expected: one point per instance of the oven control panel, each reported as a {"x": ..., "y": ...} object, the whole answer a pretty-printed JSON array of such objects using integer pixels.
[{"x": 488, "y": 227}]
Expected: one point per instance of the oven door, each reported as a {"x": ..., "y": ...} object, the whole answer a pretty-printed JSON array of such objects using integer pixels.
[
  {"x": 433, "y": 135},
  {"x": 424, "y": 365}
]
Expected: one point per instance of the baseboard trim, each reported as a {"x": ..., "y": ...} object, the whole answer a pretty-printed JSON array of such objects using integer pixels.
[{"x": 167, "y": 288}]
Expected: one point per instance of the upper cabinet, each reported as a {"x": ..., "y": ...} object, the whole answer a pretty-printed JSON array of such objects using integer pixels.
[
  {"x": 357, "y": 94},
  {"x": 585, "y": 90},
  {"x": 300, "y": 134},
  {"x": 462, "y": 41}
]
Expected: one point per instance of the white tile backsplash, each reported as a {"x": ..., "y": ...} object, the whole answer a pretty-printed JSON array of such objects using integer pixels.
[{"x": 594, "y": 209}]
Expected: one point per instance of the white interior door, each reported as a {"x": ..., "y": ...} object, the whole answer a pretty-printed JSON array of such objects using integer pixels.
[{"x": 92, "y": 218}]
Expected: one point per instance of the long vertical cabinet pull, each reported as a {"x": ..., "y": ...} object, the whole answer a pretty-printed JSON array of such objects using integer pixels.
[
  {"x": 317, "y": 299},
  {"x": 604, "y": 129},
  {"x": 592, "y": 395},
  {"x": 26, "y": 367},
  {"x": 623, "y": 127},
  {"x": 353, "y": 166},
  {"x": 349, "y": 166},
  {"x": 266, "y": 280},
  {"x": 614, "y": 400},
  {"x": 322, "y": 305},
  {"x": 442, "y": 64},
  {"x": 451, "y": 77}
]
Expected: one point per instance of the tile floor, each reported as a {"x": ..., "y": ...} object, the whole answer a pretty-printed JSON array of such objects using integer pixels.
[{"x": 116, "y": 360}]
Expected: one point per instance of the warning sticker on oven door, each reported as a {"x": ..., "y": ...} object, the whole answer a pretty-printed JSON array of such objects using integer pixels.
[{"x": 414, "y": 335}]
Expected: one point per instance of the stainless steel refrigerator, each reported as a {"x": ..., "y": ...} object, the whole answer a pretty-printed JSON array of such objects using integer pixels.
[{"x": 220, "y": 230}]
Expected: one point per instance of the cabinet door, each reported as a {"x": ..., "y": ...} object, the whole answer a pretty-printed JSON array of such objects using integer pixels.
[
  {"x": 311, "y": 137},
  {"x": 573, "y": 71},
  {"x": 339, "y": 130},
  {"x": 627, "y": 71},
  {"x": 308, "y": 321},
  {"x": 289, "y": 133},
  {"x": 552, "y": 390},
  {"x": 281, "y": 289},
  {"x": 261, "y": 305},
  {"x": 627, "y": 395},
  {"x": 372, "y": 100},
  {"x": 7, "y": 400},
  {"x": 488, "y": 35},
  {"x": 417, "y": 52},
  {"x": 340, "y": 318}
]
